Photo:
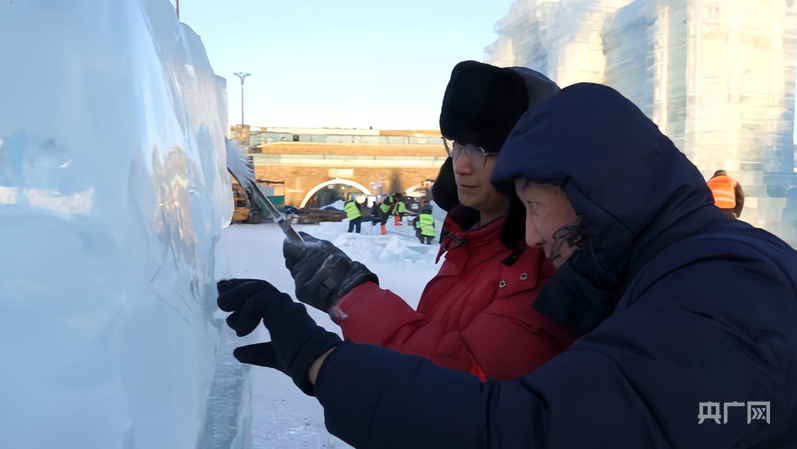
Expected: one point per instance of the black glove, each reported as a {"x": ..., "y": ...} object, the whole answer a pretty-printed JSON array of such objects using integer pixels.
[
  {"x": 323, "y": 273},
  {"x": 296, "y": 340}
]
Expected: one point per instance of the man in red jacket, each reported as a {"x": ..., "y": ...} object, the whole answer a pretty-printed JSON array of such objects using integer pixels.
[{"x": 476, "y": 315}]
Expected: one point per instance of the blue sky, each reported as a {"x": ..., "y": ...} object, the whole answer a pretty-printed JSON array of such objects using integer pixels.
[{"x": 352, "y": 63}]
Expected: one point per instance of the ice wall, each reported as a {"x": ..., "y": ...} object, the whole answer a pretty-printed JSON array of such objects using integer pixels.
[
  {"x": 113, "y": 192},
  {"x": 645, "y": 44},
  {"x": 628, "y": 44},
  {"x": 560, "y": 38},
  {"x": 740, "y": 78},
  {"x": 717, "y": 77}
]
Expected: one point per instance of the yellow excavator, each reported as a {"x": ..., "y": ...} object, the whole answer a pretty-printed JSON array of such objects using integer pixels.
[
  {"x": 243, "y": 207},
  {"x": 245, "y": 211}
]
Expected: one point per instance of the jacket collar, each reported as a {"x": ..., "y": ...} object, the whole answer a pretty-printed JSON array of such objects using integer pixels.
[{"x": 459, "y": 230}]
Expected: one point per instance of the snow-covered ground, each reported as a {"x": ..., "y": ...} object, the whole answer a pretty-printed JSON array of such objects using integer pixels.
[{"x": 282, "y": 416}]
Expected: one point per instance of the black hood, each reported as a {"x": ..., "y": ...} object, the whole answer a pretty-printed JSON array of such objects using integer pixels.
[{"x": 636, "y": 192}]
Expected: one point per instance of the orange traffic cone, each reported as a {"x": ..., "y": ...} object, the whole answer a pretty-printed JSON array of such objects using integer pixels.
[
  {"x": 398, "y": 220},
  {"x": 384, "y": 230}
]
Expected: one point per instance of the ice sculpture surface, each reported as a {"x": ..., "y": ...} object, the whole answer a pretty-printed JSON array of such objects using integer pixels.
[{"x": 113, "y": 192}]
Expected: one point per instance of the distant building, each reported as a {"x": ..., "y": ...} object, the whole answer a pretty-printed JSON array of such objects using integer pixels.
[{"x": 320, "y": 165}]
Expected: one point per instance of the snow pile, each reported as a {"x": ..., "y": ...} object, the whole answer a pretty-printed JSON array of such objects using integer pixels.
[
  {"x": 113, "y": 192},
  {"x": 399, "y": 249}
]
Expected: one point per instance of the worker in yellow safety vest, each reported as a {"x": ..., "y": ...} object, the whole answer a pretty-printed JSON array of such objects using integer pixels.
[
  {"x": 728, "y": 194},
  {"x": 354, "y": 215},
  {"x": 424, "y": 226},
  {"x": 392, "y": 205}
]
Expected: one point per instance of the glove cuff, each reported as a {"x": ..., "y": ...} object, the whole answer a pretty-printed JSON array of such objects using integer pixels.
[
  {"x": 357, "y": 274},
  {"x": 314, "y": 348}
]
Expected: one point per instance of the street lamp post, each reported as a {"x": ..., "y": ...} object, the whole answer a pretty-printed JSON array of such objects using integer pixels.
[{"x": 242, "y": 76}]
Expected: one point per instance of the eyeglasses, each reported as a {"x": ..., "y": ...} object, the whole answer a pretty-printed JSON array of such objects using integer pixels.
[{"x": 475, "y": 153}]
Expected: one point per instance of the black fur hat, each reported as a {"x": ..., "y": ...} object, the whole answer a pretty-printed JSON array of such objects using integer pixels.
[
  {"x": 481, "y": 105},
  {"x": 482, "y": 102}
]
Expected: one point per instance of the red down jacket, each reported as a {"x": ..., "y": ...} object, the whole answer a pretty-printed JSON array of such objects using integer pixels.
[{"x": 474, "y": 316}]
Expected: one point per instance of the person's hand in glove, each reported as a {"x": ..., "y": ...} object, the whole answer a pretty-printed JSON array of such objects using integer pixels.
[
  {"x": 297, "y": 343},
  {"x": 323, "y": 273}
]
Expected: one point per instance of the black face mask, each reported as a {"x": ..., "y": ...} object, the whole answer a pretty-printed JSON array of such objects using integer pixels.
[
  {"x": 572, "y": 233},
  {"x": 580, "y": 296}
]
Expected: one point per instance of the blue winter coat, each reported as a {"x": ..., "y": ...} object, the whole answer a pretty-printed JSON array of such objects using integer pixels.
[{"x": 690, "y": 308}]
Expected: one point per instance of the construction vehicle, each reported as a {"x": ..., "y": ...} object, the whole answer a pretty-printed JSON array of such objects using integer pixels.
[
  {"x": 243, "y": 206},
  {"x": 244, "y": 211}
]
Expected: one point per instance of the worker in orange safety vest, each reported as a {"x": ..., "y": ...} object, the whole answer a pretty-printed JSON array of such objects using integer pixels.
[{"x": 728, "y": 194}]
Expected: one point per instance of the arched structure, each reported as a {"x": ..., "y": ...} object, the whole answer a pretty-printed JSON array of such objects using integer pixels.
[
  {"x": 421, "y": 186},
  {"x": 345, "y": 182}
]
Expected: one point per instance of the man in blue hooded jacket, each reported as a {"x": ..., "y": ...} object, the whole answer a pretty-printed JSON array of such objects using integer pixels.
[{"x": 688, "y": 320}]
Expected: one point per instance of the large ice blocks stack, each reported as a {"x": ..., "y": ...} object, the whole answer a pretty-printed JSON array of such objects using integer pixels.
[
  {"x": 645, "y": 44},
  {"x": 727, "y": 67},
  {"x": 113, "y": 192},
  {"x": 717, "y": 76},
  {"x": 560, "y": 38}
]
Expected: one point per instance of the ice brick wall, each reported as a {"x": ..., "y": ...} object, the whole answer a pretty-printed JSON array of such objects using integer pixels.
[
  {"x": 740, "y": 84},
  {"x": 560, "y": 38},
  {"x": 113, "y": 192},
  {"x": 717, "y": 76},
  {"x": 646, "y": 49},
  {"x": 722, "y": 83}
]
